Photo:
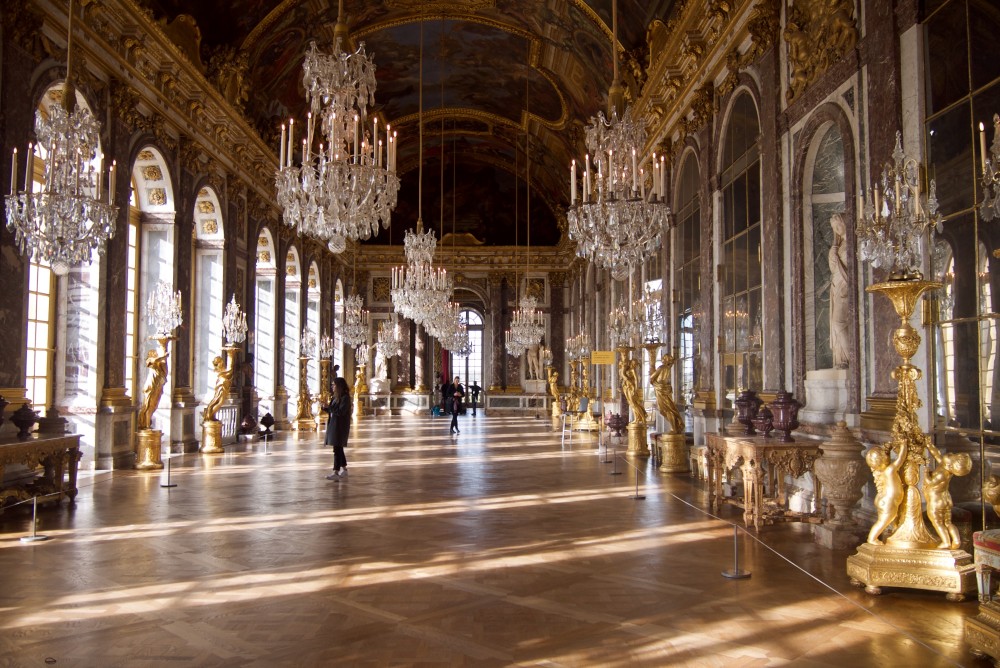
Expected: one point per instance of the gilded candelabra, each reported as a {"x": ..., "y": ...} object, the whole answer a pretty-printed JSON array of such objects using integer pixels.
[
  {"x": 586, "y": 421},
  {"x": 890, "y": 236},
  {"x": 552, "y": 376},
  {"x": 164, "y": 315},
  {"x": 631, "y": 386},
  {"x": 304, "y": 418},
  {"x": 673, "y": 445},
  {"x": 211, "y": 428}
]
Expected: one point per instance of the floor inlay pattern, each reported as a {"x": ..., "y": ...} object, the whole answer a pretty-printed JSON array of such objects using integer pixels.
[{"x": 498, "y": 546}]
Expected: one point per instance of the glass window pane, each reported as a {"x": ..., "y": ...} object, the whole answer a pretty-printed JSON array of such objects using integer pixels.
[
  {"x": 948, "y": 77},
  {"x": 952, "y": 163}
]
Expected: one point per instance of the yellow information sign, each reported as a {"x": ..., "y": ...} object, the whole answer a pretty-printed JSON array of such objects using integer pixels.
[{"x": 602, "y": 357}]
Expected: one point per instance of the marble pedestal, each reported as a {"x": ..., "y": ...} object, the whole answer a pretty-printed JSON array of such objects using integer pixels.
[
  {"x": 826, "y": 398},
  {"x": 114, "y": 447},
  {"x": 279, "y": 411},
  {"x": 149, "y": 449},
  {"x": 184, "y": 407},
  {"x": 535, "y": 387},
  {"x": 877, "y": 566}
]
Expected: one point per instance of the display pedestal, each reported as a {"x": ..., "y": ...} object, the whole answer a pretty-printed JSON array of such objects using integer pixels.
[
  {"x": 877, "y": 566},
  {"x": 586, "y": 422},
  {"x": 637, "y": 444},
  {"x": 826, "y": 398},
  {"x": 149, "y": 450},
  {"x": 673, "y": 453},
  {"x": 211, "y": 437}
]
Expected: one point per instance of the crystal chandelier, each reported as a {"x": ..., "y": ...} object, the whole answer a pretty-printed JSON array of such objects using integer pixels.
[
  {"x": 420, "y": 291},
  {"x": 354, "y": 328},
  {"x": 325, "y": 347},
  {"x": 163, "y": 311},
  {"x": 73, "y": 212},
  {"x": 623, "y": 328},
  {"x": 387, "y": 342},
  {"x": 649, "y": 317},
  {"x": 234, "y": 324},
  {"x": 527, "y": 325},
  {"x": 615, "y": 221},
  {"x": 578, "y": 347},
  {"x": 348, "y": 187},
  {"x": 896, "y": 217},
  {"x": 990, "y": 206}
]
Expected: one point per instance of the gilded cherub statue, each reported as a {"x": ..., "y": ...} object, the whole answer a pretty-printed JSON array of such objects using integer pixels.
[
  {"x": 631, "y": 389},
  {"x": 889, "y": 487},
  {"x": 660, "y": 380},
  {"x": 939, "y": 502},
  {"x": 156, "y": 361},
  {"x": 223, "y": 381}
]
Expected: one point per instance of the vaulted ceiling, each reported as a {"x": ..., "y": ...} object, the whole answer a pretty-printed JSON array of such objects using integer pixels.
[{"x": 494, "y": 71}]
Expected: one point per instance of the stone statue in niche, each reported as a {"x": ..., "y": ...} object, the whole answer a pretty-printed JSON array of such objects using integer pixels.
[
  {"x": 839, "y": 292},
  {"x": 534, "y": 354}
]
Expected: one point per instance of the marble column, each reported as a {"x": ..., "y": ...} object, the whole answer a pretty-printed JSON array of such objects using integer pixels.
[
  {"x": 420, "y": 360},
  {"x": 279, "y": 411},
  {"x": 496, "y": 317},
  {"x": 184, "y": 404}
]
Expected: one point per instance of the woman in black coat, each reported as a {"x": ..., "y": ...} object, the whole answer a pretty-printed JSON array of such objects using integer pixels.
[
  {"x": 457, "y": 392},
  {"x": 338, "y": 426}
]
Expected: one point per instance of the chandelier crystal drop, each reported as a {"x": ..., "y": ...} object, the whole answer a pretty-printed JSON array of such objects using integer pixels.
[
  {"x": 163, "y": 311},
  {"x": 348, "y": 187},
  {"x": 234, "y": 323},
  {"x": 989, "y": 208},
  {"x": 354, "y": 329},
  {"x": 896, "y": 217},
  {"x": 73, "y": 211}
]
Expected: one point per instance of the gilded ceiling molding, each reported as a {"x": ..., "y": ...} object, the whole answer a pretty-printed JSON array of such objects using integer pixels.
[
  {"x": 267, "y": 23},
  {"x": 21, "y": 23},
  {"x": 817, "y": 36}
]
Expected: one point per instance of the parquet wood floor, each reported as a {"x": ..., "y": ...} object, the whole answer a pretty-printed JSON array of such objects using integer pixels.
[{"x": 495, "y": 547}]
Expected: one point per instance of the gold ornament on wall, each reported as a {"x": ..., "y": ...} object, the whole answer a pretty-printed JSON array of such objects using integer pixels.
[
  {"x": 210, "y": 226},
  {"x": 818, "y": 35},
  {"x": 152, "y": 173},
  {"x": 206, "y": 206},
  {"x": 156, "y": 196}
]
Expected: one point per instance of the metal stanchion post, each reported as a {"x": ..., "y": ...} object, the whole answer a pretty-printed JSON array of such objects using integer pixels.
[
  {"x": 614, "y": 460},
  {"x": 34, "y": 537},
  {"x": 168, "y": 483},
  {"x": 736, "y": 573},
  {"x": 636, "y": 496}
]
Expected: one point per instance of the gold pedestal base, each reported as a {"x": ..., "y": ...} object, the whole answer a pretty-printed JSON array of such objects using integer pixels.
[
  {"x": 304, "y": 424},
  {"x": 877, "y": 566},
  {"x": 211, "y": 437},
  {"x": 586, "y": 422},
  {"x": 149, "y": 450},
  {"x": 673, "y": 453},
  {"x": 637, "y": 444},
  {"x": 982, "y": 632}
]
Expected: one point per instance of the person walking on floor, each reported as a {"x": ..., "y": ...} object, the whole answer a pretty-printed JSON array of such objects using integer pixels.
[
  {"x": 457, "y": 392},
  {"x": 474, "y": 390},
  {"x": 338, "y": 427}
]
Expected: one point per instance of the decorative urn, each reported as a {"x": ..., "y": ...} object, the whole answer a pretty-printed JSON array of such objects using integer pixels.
[
  {"x": 786, "y": 413},
  {"x": 763, "y": 422},
  {"x": 747, "y": 405},
  {"x": 616, "y": 423},
  {"x": 24, "y": 419},
  {"x": 266, "y": 422}
]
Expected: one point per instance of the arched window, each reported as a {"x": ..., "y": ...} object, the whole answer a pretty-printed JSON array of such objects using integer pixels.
[
  {"x": 265, "y": 333},
  {"x": 471, "y": 368},
  {"x": 293, "y": 304},
  {"x": 338, "y": 320},
  {"x": 209, "y": 300},
  {"x": 740, "y": 319},
  {"x": 687, "y": 277}
]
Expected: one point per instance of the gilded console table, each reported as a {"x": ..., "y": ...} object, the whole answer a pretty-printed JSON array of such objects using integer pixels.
[
  {"x": 58, "y": 456},
  {"x": 751, "y": 453}
]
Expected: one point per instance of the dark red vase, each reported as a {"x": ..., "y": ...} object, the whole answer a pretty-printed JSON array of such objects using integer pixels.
[
  {"x": 785, "y": 410},
  {"x": 747, "y": 405}
]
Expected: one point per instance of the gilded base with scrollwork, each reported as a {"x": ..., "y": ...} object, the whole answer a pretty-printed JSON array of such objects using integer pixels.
[
  {"x": 637, "y": 443},
  {"x": 149, "y": 449},
  {"x": 211, "y": 438},
  {"x": 877, "y": 566},
  {"x": 982, "y": 632},
  {"x": 673, "y": 453}
]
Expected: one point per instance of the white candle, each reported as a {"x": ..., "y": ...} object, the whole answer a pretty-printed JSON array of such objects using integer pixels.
[
  {"x": 379, "y": 162},
  {"x": 663, "y": 176},
  {"x": 635, "y": 172},
  {"x": 655, "y": 180},
  {"x": 100, "y": 175},
  {"x": 375, "y": 142},
  {"x": 356, "y": 142},
  {"x": 982, "y": 145},
  {"x": 572, "y": 183},
  {"x": 284, "y": 138},
  {"x": 291, "y": 140},
  {"x": 112, "y": 179},
  {"x": 642, "y": 183},
  {"x": 309, "y": 129},
  {"x": 611, "y": 169},
  {"x": 13, "y": 173},
  {"x": 29, "y": 169}
]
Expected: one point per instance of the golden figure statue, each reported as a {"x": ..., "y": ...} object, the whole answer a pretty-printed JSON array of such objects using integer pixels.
[
  {"x": 939, "y": 502},
  {"x": 553, "y": 378},
  {"x": 631, "y": 388},
  {"x": 991, "y": 492},
  {"x": 156, "y": 362},
  {"x": 223, "y": 381},
  {"x": 660, "y": 380},
  {"x": 889, "y": 488}
]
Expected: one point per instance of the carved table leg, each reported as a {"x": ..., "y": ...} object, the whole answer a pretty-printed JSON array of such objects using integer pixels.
[{"x": 73, "y": 455}]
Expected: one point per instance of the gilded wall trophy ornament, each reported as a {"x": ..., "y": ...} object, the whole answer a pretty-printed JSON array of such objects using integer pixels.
[{"x": 818, "y": 34}]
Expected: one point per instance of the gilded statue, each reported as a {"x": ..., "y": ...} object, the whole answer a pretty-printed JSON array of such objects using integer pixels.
[
  {"x": 991, "y": 492},
  {"x": 156, "y": 362},
  {"x": 223, "y": 381},
  {"x": 631, "y": 388},
  {"x": 889, "y": 486},
  {"x": 554, "y": 384},
  {"x": 660, "y": 380},
  {"x": 939, "y": 502}
]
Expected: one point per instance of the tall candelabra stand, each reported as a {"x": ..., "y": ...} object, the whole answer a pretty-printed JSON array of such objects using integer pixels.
[
  {"x": 325, "y": 360},
  {"x": 234, "y": 330},
  {"x": 890, "y": 234},
  {"x": 304, "y": 419},
  {"x": 164, "y": 315}
]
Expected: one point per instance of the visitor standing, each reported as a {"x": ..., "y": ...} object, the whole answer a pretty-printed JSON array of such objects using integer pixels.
[
  {"x": 338, "y": 427},
  {"x": 457, "y": 392},
  {"x": 474, "y": 390}
]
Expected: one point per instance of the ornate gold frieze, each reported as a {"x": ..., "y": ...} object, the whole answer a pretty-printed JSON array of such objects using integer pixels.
[
  {"x": 818, "y": 34},
  {"x": 381, "y": 286}
]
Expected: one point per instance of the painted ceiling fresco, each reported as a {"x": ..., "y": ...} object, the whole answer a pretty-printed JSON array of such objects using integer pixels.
[{"x": 486, "y": 56}]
